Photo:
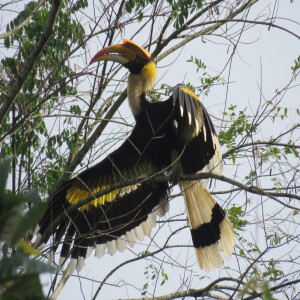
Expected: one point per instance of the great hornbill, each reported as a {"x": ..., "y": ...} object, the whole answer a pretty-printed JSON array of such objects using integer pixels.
[{"x": 175, "y": 136}]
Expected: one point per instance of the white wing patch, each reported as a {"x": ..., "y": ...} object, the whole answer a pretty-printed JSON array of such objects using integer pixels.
[{"x": 204, "y": 132}]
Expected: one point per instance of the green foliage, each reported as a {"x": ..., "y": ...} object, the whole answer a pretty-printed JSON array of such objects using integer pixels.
[
  {"x": 296, "y": 67},
  {"x": 22, "y": 287},
  {"x": 198, "y": 62},
  {"x": 75, "y": 109},
  {"x": 240, "y": 127},
  {"x": 253, "y": 287},
  {"x": 49, "y": 80},
  {"x": 280, "y": 112},
  {"x": 272, "y": 271},
  {"x": 164, "y": 276},
  {"x": 154, "y": 96},
  {"x": 271, "y": 152},
  {"x": 290, "y": 149},
  {"x": 66, "y": 33},
  {"x": 180, "y": 9},
  {"x": 11, "y": 207},
  {"x": 236, "y": 216},
  {"x": 266, "y": 292},
  {"x": 19, "y": 214},
  {"x": 155, "y": 275},
  {"x": 206, "y": 80}
]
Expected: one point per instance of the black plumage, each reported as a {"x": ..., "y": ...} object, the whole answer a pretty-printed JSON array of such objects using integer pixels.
[{"x": 172, "y": 136}]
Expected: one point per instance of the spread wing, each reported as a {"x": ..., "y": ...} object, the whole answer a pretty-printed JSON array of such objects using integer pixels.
[{"x": 112, "y": 220}]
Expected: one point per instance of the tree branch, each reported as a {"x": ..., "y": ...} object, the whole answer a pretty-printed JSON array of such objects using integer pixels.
[
  {"x": 196, "y": 292},
  {"x": 98, "y": 131},
  {"x": 266, "y": 143},
  {"x": 168, "y": 178},
  {"x": 24, "y": 23},
  {"x": 29, "y": 62},
  {"x": 175, "y": 34},
  {"x": 207, "y": 30},
  {"x": 274, "y": 288}
]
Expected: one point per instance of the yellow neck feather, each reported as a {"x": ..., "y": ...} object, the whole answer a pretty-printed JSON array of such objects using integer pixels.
[{"x": 139, "y": 84}]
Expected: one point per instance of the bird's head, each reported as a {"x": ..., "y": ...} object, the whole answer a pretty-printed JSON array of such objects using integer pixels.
[
  {"x": 138, "y": 61},
  {"x": 129, "y": 54}
]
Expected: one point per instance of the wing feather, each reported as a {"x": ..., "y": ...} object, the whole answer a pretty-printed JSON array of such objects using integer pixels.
[
  {"x": 188, "y": 108},
  {"x": 119, "y": 218},
  {"x": 108, "y": 217},
  {"x": 114, "y": 223},
  {"x": 196, "y": 132}
]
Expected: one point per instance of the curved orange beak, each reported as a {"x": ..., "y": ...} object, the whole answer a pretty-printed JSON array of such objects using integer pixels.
[{"x": 122, "y": 53}]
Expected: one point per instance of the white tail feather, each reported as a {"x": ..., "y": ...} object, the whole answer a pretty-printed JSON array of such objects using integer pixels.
[
  {"x": 227, "y": 240},
  {"x": 199, "y": 204},
  {"x": 209, "y": 257},
  {"x": 36, "y": 230}
]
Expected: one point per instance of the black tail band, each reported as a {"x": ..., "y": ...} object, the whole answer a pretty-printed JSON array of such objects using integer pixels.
[{"x": 209, "y": 233}]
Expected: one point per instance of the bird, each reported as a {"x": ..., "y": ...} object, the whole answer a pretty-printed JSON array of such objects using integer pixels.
[{"x": 171, "y": 137}]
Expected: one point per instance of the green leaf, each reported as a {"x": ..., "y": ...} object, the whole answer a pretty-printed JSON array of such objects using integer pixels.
[
  {"x": 140, "y": 17},
  {"x": 18, "y": 265},
  {"x": 4, "y": 167},
  {"x": 266, "y": 294},
  {"x": 25, "y": 288},
  {"x": 296, "y": 65},
  {"x": 14, "y": 221},
  {"x": 32, "y": 216},
  {"x": 7, "y": 42},
  {"x": 75, "y": 109},
  {"x": 11, "y": 206},
  {"x": 235, "y": 214}
]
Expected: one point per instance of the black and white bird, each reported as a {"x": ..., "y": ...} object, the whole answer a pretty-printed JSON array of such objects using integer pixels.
[{"x": 175, "y": 136}]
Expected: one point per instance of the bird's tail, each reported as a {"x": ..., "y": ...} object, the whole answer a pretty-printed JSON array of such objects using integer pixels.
[{"x": 211, "y": 230}]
